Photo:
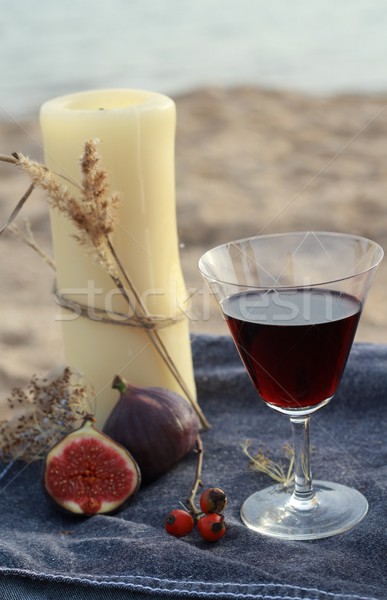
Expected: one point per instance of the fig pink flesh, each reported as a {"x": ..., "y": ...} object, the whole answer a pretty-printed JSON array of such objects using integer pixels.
[{"x": 89, "y": 472}]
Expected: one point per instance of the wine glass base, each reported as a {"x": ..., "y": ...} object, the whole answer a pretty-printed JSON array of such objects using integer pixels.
[{"x": 337, "y": 509}]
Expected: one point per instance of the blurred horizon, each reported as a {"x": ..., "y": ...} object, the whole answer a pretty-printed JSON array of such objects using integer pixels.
[
  {"x": 247, "y": 160},
  {"x": 176, "y": 46}
]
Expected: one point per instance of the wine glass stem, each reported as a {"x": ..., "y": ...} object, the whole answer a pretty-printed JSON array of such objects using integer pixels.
[{"x": 303, "y": 497}]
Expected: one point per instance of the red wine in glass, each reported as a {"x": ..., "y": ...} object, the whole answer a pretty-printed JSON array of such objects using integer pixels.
[
  {"x": 293, "y": 302},
  {"x": 294, "y": 343}
]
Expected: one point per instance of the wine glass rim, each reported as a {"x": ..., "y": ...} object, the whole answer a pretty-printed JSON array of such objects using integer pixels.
[{"x": 330, "y": 234}]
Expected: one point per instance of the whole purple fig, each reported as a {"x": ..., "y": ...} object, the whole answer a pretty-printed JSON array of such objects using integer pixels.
[{"x": 156, "y": 425}]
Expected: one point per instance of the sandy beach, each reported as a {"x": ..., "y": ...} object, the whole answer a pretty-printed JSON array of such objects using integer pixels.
[{"x": 248, "y": 161}]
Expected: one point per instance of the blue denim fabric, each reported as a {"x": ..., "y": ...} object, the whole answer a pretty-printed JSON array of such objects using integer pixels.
[{"x": 47, "y": 554}]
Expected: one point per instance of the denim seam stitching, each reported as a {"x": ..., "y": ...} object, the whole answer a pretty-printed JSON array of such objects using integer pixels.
[{"x": 109, "y": 580}]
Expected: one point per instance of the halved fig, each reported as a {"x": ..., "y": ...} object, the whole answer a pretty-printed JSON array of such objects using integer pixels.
[{"x": 88, "y": 473}]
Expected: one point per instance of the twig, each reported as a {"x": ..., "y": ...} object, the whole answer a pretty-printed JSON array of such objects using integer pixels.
[
  {"x": 156, "y": 339},
  {"x": 28, "y": 237},
  {"x": 17, "y": 208},
  {"x": 9, "y": 159},
  {"x": 198, "y": 475}
]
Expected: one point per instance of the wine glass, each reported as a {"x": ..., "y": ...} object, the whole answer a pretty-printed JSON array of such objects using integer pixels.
[{"x": 292, "y": 302}]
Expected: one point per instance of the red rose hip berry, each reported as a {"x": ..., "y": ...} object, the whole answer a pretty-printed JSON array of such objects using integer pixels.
[
  {"x": 213, "y": 500},
  {"x": 179, "y": 523},
  {"x": 212, "y": 527}
]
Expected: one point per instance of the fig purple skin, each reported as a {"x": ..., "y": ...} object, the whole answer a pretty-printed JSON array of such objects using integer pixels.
[{"x": 156, "y": 425}]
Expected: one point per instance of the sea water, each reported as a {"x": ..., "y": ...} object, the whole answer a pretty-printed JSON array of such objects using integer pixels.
[{"x": 53, "y": 47}]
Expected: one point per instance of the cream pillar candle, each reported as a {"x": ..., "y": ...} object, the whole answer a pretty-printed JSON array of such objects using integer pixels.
[{"x": 136, "y": 130}]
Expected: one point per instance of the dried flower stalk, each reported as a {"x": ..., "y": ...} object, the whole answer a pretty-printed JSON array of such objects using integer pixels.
[
  {"x": 277, "y": 471},
  {"x": 94, "y": 216},
  {"x": 43, "y": 412},
  {"x": 28, "y": 237},
  {"x": 198, "y": 478}
]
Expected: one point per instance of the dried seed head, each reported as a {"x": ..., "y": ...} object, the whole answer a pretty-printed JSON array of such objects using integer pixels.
[
  {"x": 44, "y": 410},
  {"x": 94, "y": 214}
]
